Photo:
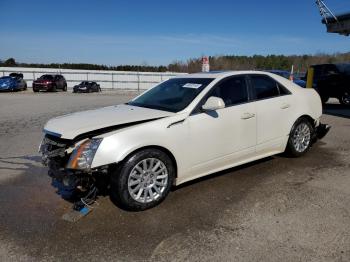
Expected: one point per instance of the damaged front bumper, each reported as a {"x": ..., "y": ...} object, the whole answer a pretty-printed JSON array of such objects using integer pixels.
[
  {"x": 79, "y": 187},
  {"x": 75, "y": 185},
  {"x": 322, "y": 130},
  {"x": 69, "y": 184}
]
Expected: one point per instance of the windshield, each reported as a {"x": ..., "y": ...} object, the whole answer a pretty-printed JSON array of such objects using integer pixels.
[
  {"x": 172, "y": 95},
  {"x": 46, "y": 77}
]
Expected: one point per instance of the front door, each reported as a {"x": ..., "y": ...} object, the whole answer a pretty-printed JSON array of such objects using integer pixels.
[{"x": 225, "y": 136}]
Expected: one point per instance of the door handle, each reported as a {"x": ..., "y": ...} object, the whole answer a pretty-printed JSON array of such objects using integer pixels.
[
  {"x": 246, "y": 116},
  {"x": 285, "y": 106}
]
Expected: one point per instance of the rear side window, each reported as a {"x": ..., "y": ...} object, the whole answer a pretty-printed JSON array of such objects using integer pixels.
[
  {"x": 232, "y": 90},
  {"x": 264, "y": 87}
]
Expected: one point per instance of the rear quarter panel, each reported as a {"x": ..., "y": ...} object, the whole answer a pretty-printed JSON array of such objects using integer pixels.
[{"x": 306, "y": 101}]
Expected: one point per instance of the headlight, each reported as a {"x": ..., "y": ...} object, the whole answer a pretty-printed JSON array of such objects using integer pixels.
[{"x": 83, "y": 155}]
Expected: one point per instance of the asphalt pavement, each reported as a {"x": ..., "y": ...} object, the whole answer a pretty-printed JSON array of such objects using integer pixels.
[{"x": 275, "y": 209}]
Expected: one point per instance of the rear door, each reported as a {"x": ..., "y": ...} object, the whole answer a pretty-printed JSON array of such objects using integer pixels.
[
  {"x": 225, "y": 136},
  {"x": 273, "y": 108}
]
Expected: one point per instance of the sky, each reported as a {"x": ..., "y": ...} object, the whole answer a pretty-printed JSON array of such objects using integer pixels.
[{"x": 160, "y": 32}]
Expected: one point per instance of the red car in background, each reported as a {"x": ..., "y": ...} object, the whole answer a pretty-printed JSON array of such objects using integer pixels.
[{"x": 50, "y": 83}]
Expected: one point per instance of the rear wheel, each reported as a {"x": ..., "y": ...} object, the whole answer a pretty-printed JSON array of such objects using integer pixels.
[
  {"x": 143, "y": 181},
  {"x": 300, "y": 138},
  {"x": 345, "y": 99},
  {"x": 64, "y": 88}
]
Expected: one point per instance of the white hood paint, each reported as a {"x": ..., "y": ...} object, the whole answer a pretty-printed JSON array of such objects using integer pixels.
[{"x": 71, "y": 125}]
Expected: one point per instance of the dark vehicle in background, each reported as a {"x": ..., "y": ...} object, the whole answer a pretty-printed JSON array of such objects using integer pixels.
[
  {"x": 50, "y": 83},
  {"x": 332, "y": 80},
  {"x": 87, "y": 87},
  {"x": 13, "y": 82},
  {"x": 287, "y": 74}
]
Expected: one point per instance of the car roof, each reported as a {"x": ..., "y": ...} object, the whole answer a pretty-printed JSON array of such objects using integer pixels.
[{"x": 221, "y": 74}]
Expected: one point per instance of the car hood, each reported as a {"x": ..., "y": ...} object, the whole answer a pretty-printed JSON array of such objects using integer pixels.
[
  {"x": 42, "y": 81},
  {"x": 100, "y": 120}
]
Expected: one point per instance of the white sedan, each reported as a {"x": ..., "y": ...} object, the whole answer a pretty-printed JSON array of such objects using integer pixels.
[{"x": 182, "y": 129}]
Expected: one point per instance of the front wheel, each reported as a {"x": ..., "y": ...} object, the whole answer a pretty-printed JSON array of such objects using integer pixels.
[
  {"x": 300, "y": 138},
  {"x": 64, "y": 88},
  {"x": 345, "y": 99},
  {"x": 143, "y": 180}
]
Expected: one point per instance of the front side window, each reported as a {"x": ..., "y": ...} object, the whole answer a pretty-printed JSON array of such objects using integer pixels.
[
  {"x": 264, "y": 87},
  {"x": 233, "y": 90},
  {"x": 172, "y": 95}
]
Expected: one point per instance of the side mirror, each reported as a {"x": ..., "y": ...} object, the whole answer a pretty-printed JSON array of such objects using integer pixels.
[{"x": 213, "y": 103}]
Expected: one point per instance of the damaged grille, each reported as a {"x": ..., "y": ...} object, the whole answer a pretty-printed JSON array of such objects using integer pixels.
[{"x": 52, "y": 148}]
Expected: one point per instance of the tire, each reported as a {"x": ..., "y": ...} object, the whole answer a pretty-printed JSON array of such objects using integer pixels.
[
  {"x": 35, "y": 90},
  {"x": 345, "y": 99},
  {"x": 131, "y": 188},
  {"x": 300, "y": 138},
  {"x": 65, "y": 88},
  {"x": 25, "y": 87},
  {"x": 54, "y": 88}
]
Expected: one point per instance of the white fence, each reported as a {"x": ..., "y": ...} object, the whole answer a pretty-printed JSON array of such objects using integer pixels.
[{"x": 106, "y": 79}]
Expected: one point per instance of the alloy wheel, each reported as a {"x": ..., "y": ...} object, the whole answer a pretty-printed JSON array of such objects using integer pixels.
[
  {"x": 148, "y": 180},
  {"x": 301, "y": 137}
]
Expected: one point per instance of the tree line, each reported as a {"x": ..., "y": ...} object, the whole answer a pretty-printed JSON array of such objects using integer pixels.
[
  {"x": 222, "y": 62},
  {"x": 259, "y": 62},
  {"x": 11, "y": 62}
]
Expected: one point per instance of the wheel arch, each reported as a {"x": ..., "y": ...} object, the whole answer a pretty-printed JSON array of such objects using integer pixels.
[
  {"x": 160, "y": 148},
  {"x": 309, "y": 118}
]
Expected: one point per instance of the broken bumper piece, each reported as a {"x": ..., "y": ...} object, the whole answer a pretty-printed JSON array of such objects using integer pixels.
[{"x": 322, "y": 130}]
